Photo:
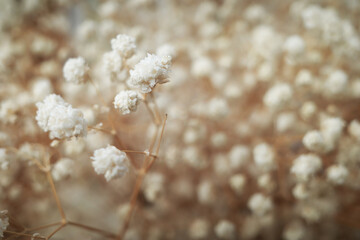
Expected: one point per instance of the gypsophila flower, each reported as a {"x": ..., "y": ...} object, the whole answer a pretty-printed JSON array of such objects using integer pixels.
[
  {"x": 4, "y": 222},
  {"x": 62, "y": 169},
  {"x": 278, "y": 95},
  {"x": 314, "y": 141},
  {"x": 225, "y": 230},
  {"x": 111, "y": 162},
  {"x": 150, "y": 71},
  {"x": 305, "y": 166},
  {"x": 112, "y": 62},
  {"x": 127, "y": 101},
  {"x": 124, "y": 45},
  {"x": 260, "y": 204},
  {"x": 337, "y": 174},
  {"x": 76, "y": 70},
  {"x": 264, "y": 156},
  {"x": 4, "y": 160},
  {"x": 58, "y": 118}
]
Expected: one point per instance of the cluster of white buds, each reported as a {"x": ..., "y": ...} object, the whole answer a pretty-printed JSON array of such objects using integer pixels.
[
  {"x": 59, "y": 118},
  {"x": 111, "y": 162}
]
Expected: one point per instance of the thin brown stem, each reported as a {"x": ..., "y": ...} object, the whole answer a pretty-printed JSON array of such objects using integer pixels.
[
  {"x": 156, "y": 107},
  {"x": 55, "y": 231},
  {"x": 43, "y": 227},
  {"x": 53, "y": 189},
  {"x": 23, "y": 234},
  {"x": 158, "y": 146},
  {"x": 152, "y": 114}
]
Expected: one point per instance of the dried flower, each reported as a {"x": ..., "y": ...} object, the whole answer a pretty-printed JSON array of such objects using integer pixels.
[
  {"x": 111, "y": 162},
  {"x": 150, "y": 71},
  {"x": 56, "y": 116},
  {"x": 127, "y": 101},
  {"x": 76, "y": 70}
]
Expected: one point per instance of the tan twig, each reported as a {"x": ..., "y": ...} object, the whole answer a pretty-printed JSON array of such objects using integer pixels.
[
  {"x": 43, "y": 227},
  {"x": 23, "y": 234},
  {"x": 55, "y": 231},
  {"x": 53, "y": 189}
]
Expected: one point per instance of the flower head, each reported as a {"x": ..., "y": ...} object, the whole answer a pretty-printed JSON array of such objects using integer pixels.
[{"x": 111, "y": 162}]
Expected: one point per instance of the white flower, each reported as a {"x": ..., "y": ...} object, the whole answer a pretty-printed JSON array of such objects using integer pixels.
[
  {"x": 305, "y": 166},
  {"x": 150, "y": 71},
  {"x": 264, "y": 156},
  {"x": 124, "y": 45},
  {"x": 4, "y": 160},
  {"x": 199, "y": 229},
  {"x": 260, "y": 204},
  {"x": 127, "y": 101},
  {"x": 112, "y": 62},
  {"x": 4, "y": 222},
  {"x": 217, "y": 108},
  {"x": 111, "y": 162},
  {"x": 337, "y": 174},
  {"x": 76, "y": 70},
  {"x": 237, "y": 183},
  {"x": 294, "y": 45},
  {"x": 278, "y": 95},
  {"x": 225, "y": 230},
  {"x": 238, "y": 156},
  {"x": 56, "y": 116},
  {"x": 62, "y": 169},
  {"x": 314, "y": 141}
]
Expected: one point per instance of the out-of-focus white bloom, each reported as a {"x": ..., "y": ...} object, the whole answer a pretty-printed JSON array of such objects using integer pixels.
[
  {"x": 194, "y": 158},
  {"x": 314, "y": 141},
  {"x": 336, "y": 84},
  {"x": 304, "y": 78},
  {"x": 308, "y": 110},
  {"x": 202, "y": 67},
  {"x": 41, "y": 88},
  {"x": 237, "y": 183},
  {"x": 166, "y": 50},
  {"x": 58, "y": 118},
  {"x": 294, "y": 46},
  {"x": 294, "y": 231},
  {"x": 217, "y": 108},
  {"x": 76, "y": 70},
  {"x": 112, "y": 62},
  {"x": 260, "y": 204},
  {"x": 62, "y": 169},
  {"x": 255, "y": 12},
  {"x": 312, "y": 16},
  {"x": 111, "y": 162},
  {"x": 199, "y": 229},
  {"x": 238, "y": 156},
  {"x": 124, "y": 45},
  {"x": 206, "y": 192},
  {"x": 4, "y": 222},
  {"x": 331, "y": 129},
  {"x": 354, "y": 129},
  {"x": 153, "y": 186},
  {"x": 305, "y": 166},
  {"x": 4, "y": 160},
  {"x": 225, "y": 230},
  {"x": 264, "y": 156},
  {"x": 219, "y": 139},
  {"x": 150, "y": 71},
  {"x": 337, "y": 174},
  {"x": 278, "y": 95},
  {"x": 266, "y": 182},
  {"x": 300, "y": 191},
  {"x": 285, "y": 121},
  {"x": 127, "y": 101}
]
